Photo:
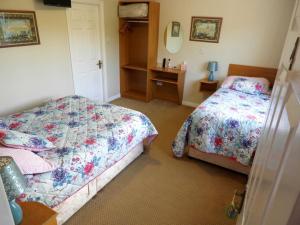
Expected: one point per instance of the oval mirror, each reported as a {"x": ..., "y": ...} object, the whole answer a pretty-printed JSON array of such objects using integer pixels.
[{"x": 173, "y": 37}]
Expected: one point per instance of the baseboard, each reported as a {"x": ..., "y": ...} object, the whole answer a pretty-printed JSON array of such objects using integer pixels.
[
  {"x": 114, "y": 97},
  {"x": 190, "y": 104}
]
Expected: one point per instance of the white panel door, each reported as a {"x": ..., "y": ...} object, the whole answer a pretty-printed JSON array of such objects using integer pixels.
[
  {"x": 270, "y": 199},
  {"x": 84, "y": 36},
  {"x": 274, "y": 190},
  {"x": 287, "y": 186}
]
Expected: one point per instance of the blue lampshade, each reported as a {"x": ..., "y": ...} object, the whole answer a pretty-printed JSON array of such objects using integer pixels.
[
  {"x": 12, "y": 177},
  {"x": 14, "y": 184},
  {"x": 212, "y": 66}
]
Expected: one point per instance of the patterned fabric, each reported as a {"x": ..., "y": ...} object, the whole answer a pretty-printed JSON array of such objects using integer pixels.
[
  {"x": 90, "y": 138},
  {"x": 229, "y": 123},
  {"x": 230, "y": 79},
  {"x": 249, "y": 86},
  {"x": 15, "y": 139}
]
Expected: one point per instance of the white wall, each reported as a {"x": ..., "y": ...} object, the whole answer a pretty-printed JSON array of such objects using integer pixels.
[
  {"x": 32, "y": 74},
  {"x": 253, "y": 33}
]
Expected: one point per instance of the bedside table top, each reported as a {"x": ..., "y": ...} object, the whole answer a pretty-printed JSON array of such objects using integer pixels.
[
  {"x": 206, "y": 81},
  {"x": 35, "y": 213}
]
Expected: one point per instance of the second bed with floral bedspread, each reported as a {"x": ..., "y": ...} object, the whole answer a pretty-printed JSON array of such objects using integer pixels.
[
  {"x": 229, "y": 123},
  {"x": 89, "y": 139}
]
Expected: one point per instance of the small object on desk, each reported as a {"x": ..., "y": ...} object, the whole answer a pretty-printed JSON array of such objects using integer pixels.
[
  {"x": 164, "y": 63},
  {"x": 183, "y": 66},
  {"x": 206, "y": 85},
  {"x": 168, "y": 65},
  {"x": 14, "y": 184},
  {"x": 36, "y": 213},
  {"x": 212, "y": 67}
]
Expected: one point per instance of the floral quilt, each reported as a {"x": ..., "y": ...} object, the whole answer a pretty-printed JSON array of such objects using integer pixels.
[
  {"x": 229, "y": 123},
  {"x": 89, "y": 137}
]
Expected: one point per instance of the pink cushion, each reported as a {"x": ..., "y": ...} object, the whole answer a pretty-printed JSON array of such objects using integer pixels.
[
  {"x": 28, "y": 162},
  {"x": 230, "y": 79}
]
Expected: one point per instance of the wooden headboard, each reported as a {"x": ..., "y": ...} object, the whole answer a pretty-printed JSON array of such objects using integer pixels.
[{"x": 253, "y": 71}]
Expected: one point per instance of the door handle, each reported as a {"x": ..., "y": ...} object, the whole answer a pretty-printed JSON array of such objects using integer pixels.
[{"x": 99, "y": 64}]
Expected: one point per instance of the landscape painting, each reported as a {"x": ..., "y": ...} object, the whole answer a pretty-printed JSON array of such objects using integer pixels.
[
  {"x": 18, "y": 28},
  {"x": 206, "y": 29}
]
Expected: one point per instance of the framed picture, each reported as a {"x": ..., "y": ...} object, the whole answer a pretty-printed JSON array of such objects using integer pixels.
[
  {"x": 175, "y": 29},
  {"x": 206, "y": 29},
  {"x": 18, "y": 28}
]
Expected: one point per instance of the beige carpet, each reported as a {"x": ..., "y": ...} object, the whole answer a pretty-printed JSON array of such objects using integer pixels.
[{"x": 157, "y": 189}]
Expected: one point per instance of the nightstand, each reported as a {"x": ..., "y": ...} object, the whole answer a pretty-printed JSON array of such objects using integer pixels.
[
  {"x": 35, "y": 213},
  {"x": 206, "y": 85}
]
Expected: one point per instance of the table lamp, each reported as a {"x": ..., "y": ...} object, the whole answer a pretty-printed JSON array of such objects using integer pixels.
[
  {"x": 212, "y": 67},
  {"x": 14, "y": 183}
]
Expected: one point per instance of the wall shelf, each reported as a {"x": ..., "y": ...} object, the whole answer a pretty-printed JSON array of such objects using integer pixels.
[
  {"x": 135, "y": 67},
  {"x": 210, "y": 86},
  {"x": 135, "y": 19},
  {"x": 165, "y": 70},
  {"x": 164, "y": 80}
]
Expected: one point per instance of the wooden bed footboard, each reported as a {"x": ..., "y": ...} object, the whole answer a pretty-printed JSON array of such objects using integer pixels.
[{"x": 219, "y": 160}]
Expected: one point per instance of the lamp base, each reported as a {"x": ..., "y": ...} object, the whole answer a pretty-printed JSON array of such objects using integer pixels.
[
  {"x": 16, "y": 211},
  {"x": 211, "y": 76}
]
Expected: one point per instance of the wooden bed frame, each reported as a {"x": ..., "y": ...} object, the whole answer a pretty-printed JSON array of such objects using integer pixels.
[
  {"x": 253, "y": 71},
  {"x": 239, "y": 70}
]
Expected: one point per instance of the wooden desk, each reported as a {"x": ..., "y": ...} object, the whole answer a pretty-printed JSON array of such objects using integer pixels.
[
  {"x": 35, "y": 213},
  {"x": 167, "y": 84}
]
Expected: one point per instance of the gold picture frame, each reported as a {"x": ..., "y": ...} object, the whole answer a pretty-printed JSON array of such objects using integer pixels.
[
  {"x": 18, "y": 28},
  {"x": 206, "y": 29}
]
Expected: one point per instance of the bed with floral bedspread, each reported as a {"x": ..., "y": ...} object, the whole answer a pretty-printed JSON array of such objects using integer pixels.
[
  {"x": 90, "y": 138},
  {"x": 228, "y": 123}
]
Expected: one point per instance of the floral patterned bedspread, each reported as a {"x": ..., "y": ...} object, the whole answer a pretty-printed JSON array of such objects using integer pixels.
[
  {"x": 228, "y": 123},
  {"x": 89, "y": 137}
]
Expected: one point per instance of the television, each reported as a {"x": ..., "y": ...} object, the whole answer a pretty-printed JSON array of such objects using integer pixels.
[{"x": 59, "y": 3}]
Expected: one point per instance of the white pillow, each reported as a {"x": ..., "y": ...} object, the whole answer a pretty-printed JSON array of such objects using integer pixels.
[{"x": 230, "y": 79}]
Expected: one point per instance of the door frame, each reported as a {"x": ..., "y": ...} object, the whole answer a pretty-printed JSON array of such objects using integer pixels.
[{"x": 100, "y": 5}]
